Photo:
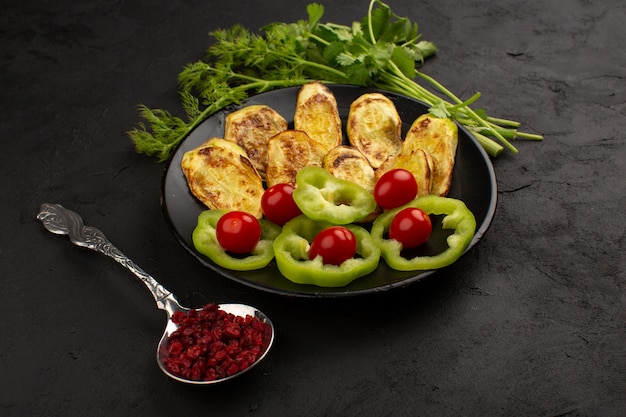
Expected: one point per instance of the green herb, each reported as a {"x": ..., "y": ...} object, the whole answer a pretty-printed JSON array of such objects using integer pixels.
[{"x": 382, "y": 50}]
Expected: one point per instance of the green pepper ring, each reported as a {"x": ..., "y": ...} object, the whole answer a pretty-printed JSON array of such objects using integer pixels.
[
  {"x": 205, "y": 241},
  {"x": 292, "y": 258},
  {"x": 323, "y": 197},
  {"x": 457, "y": 217}
]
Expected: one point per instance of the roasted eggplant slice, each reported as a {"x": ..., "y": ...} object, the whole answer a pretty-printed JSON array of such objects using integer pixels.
[
  {"x": 317, "y": 114},
  {"x": 374, "y": 127},
  {"x": 288, "y": 152},
  {"x": 439, "y": 138},
  {"x": 251, "y": 127},
  {"x": 350, "y": 164},
  {"x": 220, "y": 175}
]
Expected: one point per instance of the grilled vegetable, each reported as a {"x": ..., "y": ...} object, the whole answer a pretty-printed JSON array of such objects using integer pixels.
[
  {"x": 291, "y": 248},
  {"x": 439, "y": 138},
  {"x": 205, "y": 241},
  {"x": 323, "y": 197},
  {"x": 456, "y": 217},
  {"x": 317, "y": 114},
  {"x": 374, "y": 127},
  {"x": 221, "y": 176},
  {"x": 288, "y": 152},
  {"x": 251, "y": 127},
  {"x": 350, "y": 164}
]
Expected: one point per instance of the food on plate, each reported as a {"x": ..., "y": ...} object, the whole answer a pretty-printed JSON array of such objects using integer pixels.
[
  {"x": 350, "y": 164},
  {"x": 303, "y": 210},
  {"x": 411, "y": 227},
  {"x": 220, "y": 174},
  {"x": 417, "y": 161},
  {"x": 456, "y": 217},
  {"x": 439, "y": 138},
  {"x": 251, "y": 127},
  {"x": 395, "y": 188},
  {"x": 321, "y": 196},
  {"x": 205, "y": 241},
  {"x": 278, "y": 204},
  {"x": 335, "y": 245},
  {"x": 238, "y": 232},
  {"x": 317, "y": 114},
  {"x": 291, "y": 249},
  {"x": 374, "y": 127},
  {"x": 288, "y": 152}
]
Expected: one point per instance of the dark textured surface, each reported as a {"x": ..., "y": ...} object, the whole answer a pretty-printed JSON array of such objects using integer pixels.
[{"x": 530, "y": 322}]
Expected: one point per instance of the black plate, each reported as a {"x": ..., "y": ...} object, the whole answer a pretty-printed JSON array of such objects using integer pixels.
[{"x": 473, "y": 182}]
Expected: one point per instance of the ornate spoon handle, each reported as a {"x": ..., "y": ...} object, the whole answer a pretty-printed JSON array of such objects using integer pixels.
[{"x": 59, "y": 220}]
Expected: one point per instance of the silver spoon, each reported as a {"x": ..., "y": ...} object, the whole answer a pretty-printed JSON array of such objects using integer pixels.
[{"x": 62, "y": 221}]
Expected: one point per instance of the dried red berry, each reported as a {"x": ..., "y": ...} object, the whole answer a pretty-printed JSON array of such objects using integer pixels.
[{"x": 212, "y": 344}]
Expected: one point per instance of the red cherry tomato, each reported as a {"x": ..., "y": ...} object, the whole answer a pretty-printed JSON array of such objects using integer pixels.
[
  {"x": 278, "y": 205},
  {"x": 334, "y": 244},
  {"x": 395, "y": 188},
  {"x": 411, "y": 227},
  {"x": 238, "y": 232}
]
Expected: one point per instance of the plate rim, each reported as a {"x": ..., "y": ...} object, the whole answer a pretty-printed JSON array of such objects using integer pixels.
[{"x": 340, "y": 292}]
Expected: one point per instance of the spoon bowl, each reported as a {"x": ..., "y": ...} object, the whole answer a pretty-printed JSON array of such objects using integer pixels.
[
  {"x": 241, "y": 310},
  {"x": 59, "y": 220}
]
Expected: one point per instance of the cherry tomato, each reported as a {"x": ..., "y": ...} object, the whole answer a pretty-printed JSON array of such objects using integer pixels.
[
  {"x": 411, "y": 227},
  {"x": 278, "y": 205},
  {"x": 334, "y": 244},
  {"x": 238, "y": 232},
  {"x": 395, "y": 188}
]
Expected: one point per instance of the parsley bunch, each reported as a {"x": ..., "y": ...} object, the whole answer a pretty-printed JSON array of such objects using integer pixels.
[{"x": 382, "y": 51}]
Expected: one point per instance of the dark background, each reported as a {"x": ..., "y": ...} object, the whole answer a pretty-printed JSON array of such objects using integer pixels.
[{"x": 531, "y": 322}]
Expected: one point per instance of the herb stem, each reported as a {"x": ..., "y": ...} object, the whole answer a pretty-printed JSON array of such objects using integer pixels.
[
  {"x": 530, "y": 136},
  {"x": 503, "y": 122},
  {"x": 470, "y": 112},
  {"x": 491, "y": 147}
]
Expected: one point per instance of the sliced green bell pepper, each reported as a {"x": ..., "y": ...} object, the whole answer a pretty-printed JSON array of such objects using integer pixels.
[
  {"x": 205, "y": 241},
  {"x": 291, "y": 249},
  {"x": 457, "y": 217},
  {"x": 321, "y": 196}
]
